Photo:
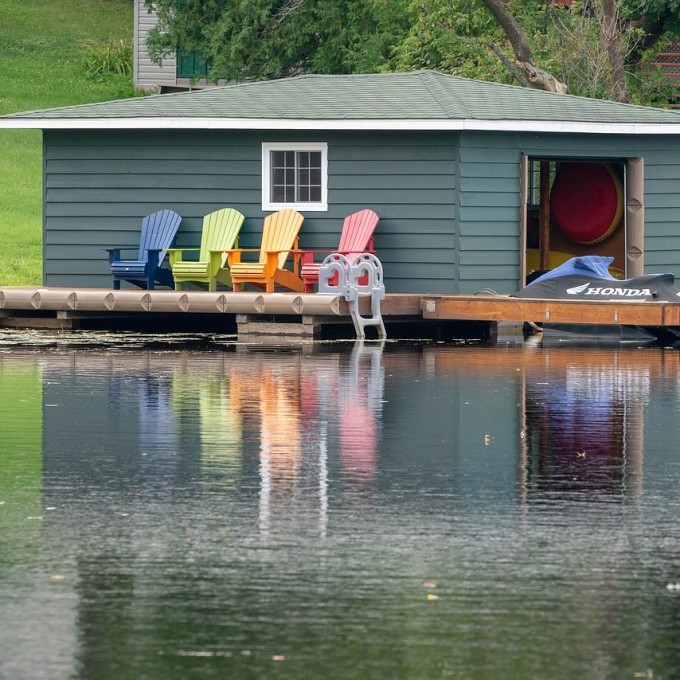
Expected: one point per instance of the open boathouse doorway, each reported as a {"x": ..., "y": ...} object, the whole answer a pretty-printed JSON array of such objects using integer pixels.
[{"x": 581, "y": 206}]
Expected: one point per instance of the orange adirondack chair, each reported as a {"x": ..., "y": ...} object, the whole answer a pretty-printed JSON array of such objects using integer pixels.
[
  {"x": 279, "y": 238},
  {"x": 356, "y": 238}
]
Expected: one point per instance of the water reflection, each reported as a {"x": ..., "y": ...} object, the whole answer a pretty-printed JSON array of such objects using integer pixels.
[
  {"x": 207, "y": 396},
  {"x": 21, "y": 449},
  {"x": 349, "y": 513},
  {"x": 583, "y": 424},
  {"x": 359, "y": 396},
  {"x": 293, "y": 398},
  {"x": 280, "y": 436}
]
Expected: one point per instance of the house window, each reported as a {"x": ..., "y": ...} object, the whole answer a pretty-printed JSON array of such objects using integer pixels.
[{"x": 294, "y": 176}]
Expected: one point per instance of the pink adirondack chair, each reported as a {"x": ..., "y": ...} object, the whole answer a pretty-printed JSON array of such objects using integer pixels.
[{"x": 356, "y": 238}]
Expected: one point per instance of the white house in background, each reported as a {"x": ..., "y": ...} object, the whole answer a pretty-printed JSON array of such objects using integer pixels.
[{"x": 177, "y": 72}]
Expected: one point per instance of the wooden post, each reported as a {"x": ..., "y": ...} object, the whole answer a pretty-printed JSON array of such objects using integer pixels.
[
  {"x": 523, "y": 216},
  {"x": 635, "y": 217},
  {"x": 544, "y": 217}
]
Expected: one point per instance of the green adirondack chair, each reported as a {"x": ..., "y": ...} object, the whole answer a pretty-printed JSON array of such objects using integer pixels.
[{"x": 220, "y": 232}]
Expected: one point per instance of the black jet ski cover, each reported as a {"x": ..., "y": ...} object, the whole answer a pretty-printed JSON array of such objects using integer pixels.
[{"x": 588, "y": 278}]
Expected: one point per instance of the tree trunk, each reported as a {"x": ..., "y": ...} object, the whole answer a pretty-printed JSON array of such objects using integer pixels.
[
  {"x": 535, "y": 76},
  {"x": 612, "y": 41}
]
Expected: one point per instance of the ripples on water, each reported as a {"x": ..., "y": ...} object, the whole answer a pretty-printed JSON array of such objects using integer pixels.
[{"x": 406, "y": 512}]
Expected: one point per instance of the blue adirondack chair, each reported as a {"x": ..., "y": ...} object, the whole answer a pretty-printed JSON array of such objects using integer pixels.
[{"x": 158, "y": 234}]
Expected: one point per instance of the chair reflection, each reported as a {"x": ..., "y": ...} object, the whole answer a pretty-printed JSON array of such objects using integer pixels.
[
  {"x": 221, "y": 435},
  {"x": 359, "y": 395},
  {"x": 157, "y": 420},
  {"x": 299, "y": 398},
  {"x": 206, "y": 394},
  {"x": 280, "y": 435},
  {"x": 305, "y": 415}
]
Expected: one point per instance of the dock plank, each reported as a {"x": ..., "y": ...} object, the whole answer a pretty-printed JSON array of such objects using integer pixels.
[{"x": 499, "y": 308}]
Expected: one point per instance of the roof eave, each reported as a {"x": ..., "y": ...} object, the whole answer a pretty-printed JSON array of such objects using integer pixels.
[{"x": 415, "y": 124}]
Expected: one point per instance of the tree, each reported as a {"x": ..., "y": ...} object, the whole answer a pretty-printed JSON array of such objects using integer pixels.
[
  {"x": 655, "y": 18},
  {"x": 535, "y": 76},
  {"x": 609, "y": 50},
  {"x": 594, "y": 48},
  {"x": 613, "y": 46},
  {"x": 256, "y": 39}
]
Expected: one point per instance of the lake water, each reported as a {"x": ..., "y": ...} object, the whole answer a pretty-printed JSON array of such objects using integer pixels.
[{"x": 329, "y": 511}]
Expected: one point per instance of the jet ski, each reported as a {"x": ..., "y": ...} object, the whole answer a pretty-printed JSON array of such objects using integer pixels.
[{"x": 588, "y": 278}]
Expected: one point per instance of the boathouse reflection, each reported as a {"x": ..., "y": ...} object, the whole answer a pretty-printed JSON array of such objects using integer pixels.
[
  {"x": 451, "y": 420},
  {"x": 181, "y": 480},
  {"x": 583, "y": 424}
]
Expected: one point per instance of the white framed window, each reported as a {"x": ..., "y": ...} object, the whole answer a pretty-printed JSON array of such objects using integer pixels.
[{"x": 295, "y": 175}]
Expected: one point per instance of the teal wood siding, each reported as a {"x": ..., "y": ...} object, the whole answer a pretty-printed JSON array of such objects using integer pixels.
[
  {"x": 98, "y": 186},
  {"x": 488, "y": 213},
  {"x": 410, "y": 181},
  {"x": 662, "y": 206},
  {"x": 489, "y": 198},
  {"x": 449, "y": 204}
]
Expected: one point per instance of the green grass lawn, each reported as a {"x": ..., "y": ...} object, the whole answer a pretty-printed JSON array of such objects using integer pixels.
[{"x": 43, "y": 45}]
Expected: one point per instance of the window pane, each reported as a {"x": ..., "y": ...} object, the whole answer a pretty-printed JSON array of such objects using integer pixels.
[
  {"x": 277, "y": 159},
  {"x": 314, "y": 195}
]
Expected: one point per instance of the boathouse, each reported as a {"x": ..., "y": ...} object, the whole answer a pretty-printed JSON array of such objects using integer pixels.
[{"x": 465, "y": 175}]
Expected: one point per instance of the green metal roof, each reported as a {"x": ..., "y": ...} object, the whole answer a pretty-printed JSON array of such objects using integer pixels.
[{"x": 416, "y": 96}]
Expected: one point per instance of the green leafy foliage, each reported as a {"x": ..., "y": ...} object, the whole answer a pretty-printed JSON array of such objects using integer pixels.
[
  {"x": 461, "y": 37},
  {"x": 260, "y": 39},
  {"x": 655, "y": 9},
  {"x": 454, "y": 37}
]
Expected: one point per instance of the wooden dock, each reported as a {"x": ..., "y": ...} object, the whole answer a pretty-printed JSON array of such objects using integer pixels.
[
  {"x": 303, "y": 314},
  {"x": 250, "y": 313},
  {"x": 500, "y": 308}
]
